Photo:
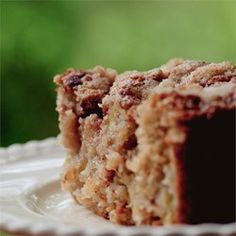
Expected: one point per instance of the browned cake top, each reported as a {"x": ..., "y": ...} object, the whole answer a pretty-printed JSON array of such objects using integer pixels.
[
  {"x": 132, "y": 87},
  {"x": 98, "y": 89},
  {"x": 204, "y": 74}
]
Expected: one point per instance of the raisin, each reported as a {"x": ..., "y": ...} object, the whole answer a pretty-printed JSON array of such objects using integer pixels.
[
  {"x": 75, "y": 80},
  {"x": 91, "y": 106},
  {"x": 109, "y": 175},
  {"x": 131, "y": 143}
]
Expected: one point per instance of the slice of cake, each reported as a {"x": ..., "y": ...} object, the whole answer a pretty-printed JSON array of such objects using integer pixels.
[{"x": 155, "y": 147}]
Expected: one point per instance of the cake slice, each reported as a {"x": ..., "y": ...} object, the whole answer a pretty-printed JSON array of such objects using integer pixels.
[{"x": 155, "y": 147}]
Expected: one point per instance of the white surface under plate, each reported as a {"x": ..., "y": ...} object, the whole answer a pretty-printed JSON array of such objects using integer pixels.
[{"x": 32, "y": 202}]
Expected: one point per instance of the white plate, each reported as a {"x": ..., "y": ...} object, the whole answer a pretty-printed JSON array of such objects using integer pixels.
[{"x": 32, "y": 202}]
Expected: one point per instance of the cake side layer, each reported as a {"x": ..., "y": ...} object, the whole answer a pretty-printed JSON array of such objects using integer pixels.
[
  {"x": 79, "y": 95},
  {"x": 165, "y": 130},
  {"x": 104, "y": 178}
]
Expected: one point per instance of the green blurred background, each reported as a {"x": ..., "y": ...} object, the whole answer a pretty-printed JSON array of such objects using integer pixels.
[{"x": 42, "y": 38}]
